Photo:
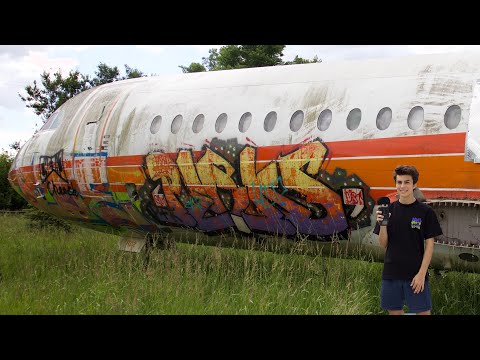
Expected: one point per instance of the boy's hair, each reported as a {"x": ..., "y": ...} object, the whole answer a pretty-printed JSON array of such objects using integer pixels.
[{"x": 406, "y": 170}]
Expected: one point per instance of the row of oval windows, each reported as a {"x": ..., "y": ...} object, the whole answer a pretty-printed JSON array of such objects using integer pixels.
[{"x": 415, "y": 119}]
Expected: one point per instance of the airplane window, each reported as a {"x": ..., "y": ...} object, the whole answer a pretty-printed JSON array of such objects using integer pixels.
[
  {"x": 453, "y": 116},
  {"x": 415, "y": 117},
  {"x": 384, "y": 118},
  {"x": 221, "y": 122},
  {"x": 198, "y": 123},
  {"x": 296, "y": 121},
  {"x": 176, "y": 123},
  {"x": 270, "y": 121},
  {"x": 245, "y": 122},
  {"x": 354, "y": 118},
  {"x": 49, "y": 122},
  {"x": 324, "y": 120},
  {"x": 57, "y": 120},
  {"x": 155, "y": 126}
]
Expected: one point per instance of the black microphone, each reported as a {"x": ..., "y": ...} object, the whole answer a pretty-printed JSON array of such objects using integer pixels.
[{"x": 383, "y": 203}]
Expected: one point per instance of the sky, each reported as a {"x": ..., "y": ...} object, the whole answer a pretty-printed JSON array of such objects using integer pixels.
[{"x": 20, "y": 65}]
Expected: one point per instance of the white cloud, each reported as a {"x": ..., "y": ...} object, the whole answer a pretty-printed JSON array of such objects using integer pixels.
[
  {"x": 20, "y": 50},
  {"x": 439, "y": 49},
  {"x": 19, "y": 68},
  {"x": 328, "y": 53},
  {"x": 17, "y": 125},
  {"x": 155, "y": 49},
  {"x": 77, "y": 48},
  {"x": 39, "y": 61},
  {"x": 205, "y": 48}
]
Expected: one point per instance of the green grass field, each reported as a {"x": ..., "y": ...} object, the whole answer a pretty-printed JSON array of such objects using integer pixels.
[{"x": 53, "y": 272}]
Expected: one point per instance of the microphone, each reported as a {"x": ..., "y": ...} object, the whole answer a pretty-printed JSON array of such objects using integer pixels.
[{"x": 383, "y": 203}]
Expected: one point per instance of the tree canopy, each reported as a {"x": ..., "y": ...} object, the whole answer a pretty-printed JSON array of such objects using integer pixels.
[
  {"x": 244, "y": 56},
  {"x": 55, "y": 89},
  {"x": 9, "y": 198}
]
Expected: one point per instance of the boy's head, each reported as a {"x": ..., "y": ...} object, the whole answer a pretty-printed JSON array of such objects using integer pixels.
[
  {"x": 406, "y": 177},
  {"x": 406, "y": 170}
]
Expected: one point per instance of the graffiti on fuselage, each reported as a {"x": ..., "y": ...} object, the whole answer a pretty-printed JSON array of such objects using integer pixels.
[
  {"x": 52, "y": 174},
  {"x": 274, "y": 190},
  {"x": 273, "y": 196}
]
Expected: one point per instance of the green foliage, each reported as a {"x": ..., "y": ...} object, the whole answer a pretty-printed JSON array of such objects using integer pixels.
[
  {"x": 9, "y": 198},
  {"x": 194, "y": 67},
  {"x": 15, "y": 145},
  {"x": 132, "y": 73},
  {"x": 50, "y": 272},
  {"x": 55, "y": 90},
  {"x": 105, "y": 75},
  {"x": 244, "y": 56},
  {"x": 212, "y": 61},
  {"x": 38, "y": 219},
  {"x": 299, "y": 60},
  {"x": 260, "y": 55}
]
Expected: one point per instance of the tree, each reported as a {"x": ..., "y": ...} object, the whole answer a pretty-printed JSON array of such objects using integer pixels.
[
  {"x": 244, "y": 56},
  {"x": 299, "y": 60},
  {"x": 44, "y": 101},
  {"x": 9, "y": 198},
  {"x": 105, "y": 74},
  {"x": 53, "y": 92},
  {"x": 194, "y": 67},
  {"x": 212, "y": 61},
  {"x": 15, "y": 145},
  {"x": 132, "y": 73}
]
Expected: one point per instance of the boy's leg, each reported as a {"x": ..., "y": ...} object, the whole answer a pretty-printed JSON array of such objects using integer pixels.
[
  {"x": 420, "y": 303},
  {"x": 391, "y": 296}
]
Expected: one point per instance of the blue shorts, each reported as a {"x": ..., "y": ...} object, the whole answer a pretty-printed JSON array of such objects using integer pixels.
[{"x": 395, "y": 293}]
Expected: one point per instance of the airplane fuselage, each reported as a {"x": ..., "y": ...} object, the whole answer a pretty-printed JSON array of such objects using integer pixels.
[{"x": 301, "y": 151}]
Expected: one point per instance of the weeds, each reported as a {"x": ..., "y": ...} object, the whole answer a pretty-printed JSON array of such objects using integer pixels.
[{"x": 50, "y": 271}]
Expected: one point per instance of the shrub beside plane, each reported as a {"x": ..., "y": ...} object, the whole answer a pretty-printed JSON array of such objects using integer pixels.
[{"x": 292, "y": 152}]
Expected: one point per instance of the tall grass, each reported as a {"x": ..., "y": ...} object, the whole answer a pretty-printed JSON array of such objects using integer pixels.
[{"x": 53, "y": 272}]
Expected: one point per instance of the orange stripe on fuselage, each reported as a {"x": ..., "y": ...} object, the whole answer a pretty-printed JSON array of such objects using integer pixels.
[
  {"x": 435, "y": 171},
  {"x": 126, "y": 174},
  {"x": 125, "y": 160},
  {"x": 407, "y": 145}
]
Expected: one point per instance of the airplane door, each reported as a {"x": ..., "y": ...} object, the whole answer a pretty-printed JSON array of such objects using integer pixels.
[
  {"x": 90, "y": 161},
  {"x": 88, "y": 146},
  {"x": 92, "y": 143},
  {"x": 94, "y": 149}
]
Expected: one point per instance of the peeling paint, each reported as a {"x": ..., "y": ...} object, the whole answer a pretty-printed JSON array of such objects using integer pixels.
[
  {"x": 126, "y": 130},
  {"x": 117, "y": 175}
]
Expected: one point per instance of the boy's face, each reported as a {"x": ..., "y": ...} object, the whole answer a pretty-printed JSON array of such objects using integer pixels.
[{"x": 405, "y": 186}]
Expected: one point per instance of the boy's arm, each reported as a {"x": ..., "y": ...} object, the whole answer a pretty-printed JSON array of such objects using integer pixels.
[
  {"x": 419, "y": 280},
  {"x": 381, "y": 231},
  {"x": 383, "y": 236}
]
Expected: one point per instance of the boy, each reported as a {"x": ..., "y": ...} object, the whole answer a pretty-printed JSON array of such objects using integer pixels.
[{"x": 408, "y": 239}]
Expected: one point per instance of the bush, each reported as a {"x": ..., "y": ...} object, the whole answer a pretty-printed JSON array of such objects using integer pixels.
[
  {"x": 9, "y": 198},
  {"x": 38, "y": 219}
]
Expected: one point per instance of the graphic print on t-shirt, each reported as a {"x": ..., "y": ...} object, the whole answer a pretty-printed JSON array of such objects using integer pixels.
[{"x": 416, "y": 222}]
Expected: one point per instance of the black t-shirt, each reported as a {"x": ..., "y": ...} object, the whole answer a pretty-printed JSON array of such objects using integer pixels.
[{"x": 408, "y": 227}]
